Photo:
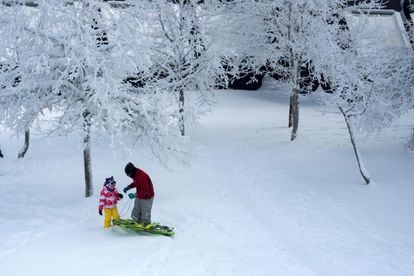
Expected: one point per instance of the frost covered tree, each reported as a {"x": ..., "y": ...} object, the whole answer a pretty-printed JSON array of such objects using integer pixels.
[
  {"x": 36, "y": 56},
  {"x": 288, "y": 38},
  {"x": 370, "y": 75},
  {"x": 21, "y": 55},
  {"x": 98, "y": 53},
  {"x": 86, "y": 51},
  {"x": 308, "y": 42},
  {"x": 186, "y": 57}
]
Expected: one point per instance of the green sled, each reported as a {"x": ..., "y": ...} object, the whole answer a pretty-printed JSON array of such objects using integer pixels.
[{"x": 153, "y": 228}]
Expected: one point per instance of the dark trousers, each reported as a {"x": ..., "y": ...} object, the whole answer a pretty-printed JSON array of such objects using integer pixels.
[{"x": 142, "y": 210}]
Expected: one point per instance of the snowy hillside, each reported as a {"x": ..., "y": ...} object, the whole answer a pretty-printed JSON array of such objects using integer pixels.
[{"x": 250, "y": 202}]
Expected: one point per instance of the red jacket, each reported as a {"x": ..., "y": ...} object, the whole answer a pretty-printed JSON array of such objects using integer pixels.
[
  {"x": 109, "y": 197},
  {"x": 143, "y": 184}
]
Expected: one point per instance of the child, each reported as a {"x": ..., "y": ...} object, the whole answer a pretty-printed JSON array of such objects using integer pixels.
[{"x": 108, "y": 200}]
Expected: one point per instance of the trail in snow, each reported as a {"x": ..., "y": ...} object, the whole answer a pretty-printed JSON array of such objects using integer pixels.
[
  {"x": 250, "y": 203},
  {"x": 278, "y": 189}
]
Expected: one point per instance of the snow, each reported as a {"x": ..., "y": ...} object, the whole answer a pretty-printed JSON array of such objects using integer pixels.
[{"x": 251, "y": 202}]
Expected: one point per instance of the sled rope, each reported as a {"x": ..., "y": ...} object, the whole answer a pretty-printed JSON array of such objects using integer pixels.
[{"x": 126, "y": 208}]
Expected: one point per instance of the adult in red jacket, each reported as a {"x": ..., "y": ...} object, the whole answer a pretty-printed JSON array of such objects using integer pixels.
[{"x": 144, "y": 194}]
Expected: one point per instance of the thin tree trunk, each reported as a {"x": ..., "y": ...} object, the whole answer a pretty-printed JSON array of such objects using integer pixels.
[
  {"x": 87, "y": 155},
  {"x": 290, "y": 112},
  {"x": 294, "y": 116},
  {"x": 362, "y": 170},
  {"x": 294, "y": 75},
  {"x": 181, "y": 112},
  {"x": 23, "y": 151},
  {"x": 291, "y": 64},
  {"x": 1, "y": 154},
  {"x": 411, "y": 144}
]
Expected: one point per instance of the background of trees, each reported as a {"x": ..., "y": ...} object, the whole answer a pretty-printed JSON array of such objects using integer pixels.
[{"x": 146, "y": 71}]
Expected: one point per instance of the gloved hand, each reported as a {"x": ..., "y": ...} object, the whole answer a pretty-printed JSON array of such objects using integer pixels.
[
  {"x": 131, "y": 195},
  {"x": 125, "y": 189},
  {"x": 120, "y": 196},
  {"x": 100, "y": 212}
]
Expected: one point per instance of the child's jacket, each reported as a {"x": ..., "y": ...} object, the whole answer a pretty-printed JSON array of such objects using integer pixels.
[{"x": 109, "y": 197}]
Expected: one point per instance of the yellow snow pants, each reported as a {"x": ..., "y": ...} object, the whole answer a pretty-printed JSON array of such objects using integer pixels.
[{"x": 110, "y": 214}]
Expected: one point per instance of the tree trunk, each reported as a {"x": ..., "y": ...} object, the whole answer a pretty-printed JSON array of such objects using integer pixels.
[
  {"x": 294, "y": 113},
  {"x": 411, "y": 143},
  {"x": 1, "y": 154},
  {"x": 362, "y": 170},
  {"x": 87, "y": 155},
  {"x": 23, "y": 151},
  {"x": 290, "y": 112},
  {"x": 292, "y": 75},
  {"x": 181, "y": 112}
]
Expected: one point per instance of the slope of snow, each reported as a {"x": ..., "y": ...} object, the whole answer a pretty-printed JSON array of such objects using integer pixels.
[{"x": 251, "y": 202}]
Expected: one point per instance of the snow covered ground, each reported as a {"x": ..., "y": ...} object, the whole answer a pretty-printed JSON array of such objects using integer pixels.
[{"x": 250, "y": 202}]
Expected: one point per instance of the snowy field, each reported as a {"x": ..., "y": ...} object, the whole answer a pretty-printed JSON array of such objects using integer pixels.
[{"x": 250, "y": 202}]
